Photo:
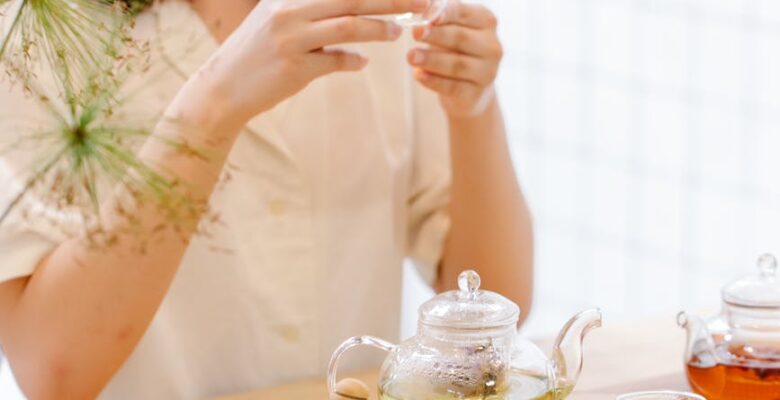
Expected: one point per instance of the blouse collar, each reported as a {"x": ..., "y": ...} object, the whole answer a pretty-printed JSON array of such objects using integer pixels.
[
  {"x": 186, "y": 44},
  {"x": 184, "y": 38}
]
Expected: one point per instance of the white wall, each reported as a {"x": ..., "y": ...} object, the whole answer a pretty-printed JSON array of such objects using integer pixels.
[
  {"x": 8, "y": 389},
  {"x": 646, "y": 135}
]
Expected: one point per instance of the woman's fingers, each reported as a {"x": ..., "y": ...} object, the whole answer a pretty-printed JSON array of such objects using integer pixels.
[
  {"x": 326, "y": 61},
  {"x": 322, "y": 9},
  {"x": 461, "y": 39},
  {"x": 447, "y": 86},
  {"x": 349, "y": 30},
  {"x": 462, "y": 60},
  {"x": 474, "y": 16},
  {"x": 452, "y": 65}
]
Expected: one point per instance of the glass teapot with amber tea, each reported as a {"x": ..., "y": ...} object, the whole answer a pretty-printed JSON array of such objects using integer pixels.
[
  {"x": 466, "y": 347},
  {"x": 736, "y": 354}
]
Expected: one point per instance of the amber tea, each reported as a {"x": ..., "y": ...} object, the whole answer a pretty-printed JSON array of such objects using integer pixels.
[{"x": 748, "y": 373}]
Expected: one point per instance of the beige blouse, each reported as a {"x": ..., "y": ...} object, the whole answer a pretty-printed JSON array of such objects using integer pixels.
[{"x": 332, "y": 190}]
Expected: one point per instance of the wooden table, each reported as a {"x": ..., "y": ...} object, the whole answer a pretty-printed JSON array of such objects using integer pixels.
[{"x": 618, "y": 359}]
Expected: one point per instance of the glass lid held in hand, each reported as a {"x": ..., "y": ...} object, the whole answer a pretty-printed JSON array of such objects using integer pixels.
[
  {"x": 756, "y": 290},
  {"x": 468, "y": 307}
]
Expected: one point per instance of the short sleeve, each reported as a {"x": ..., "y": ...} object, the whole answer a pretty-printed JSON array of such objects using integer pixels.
[
  {"x": 428, "y": 203},
  {"x": 24, "y": 240},
  {"x": 21, "y": 250}
]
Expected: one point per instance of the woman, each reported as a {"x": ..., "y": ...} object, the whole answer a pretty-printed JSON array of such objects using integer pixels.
[{"x": 342, "y": 165}]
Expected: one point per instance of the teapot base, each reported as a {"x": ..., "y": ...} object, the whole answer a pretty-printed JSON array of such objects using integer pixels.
[
  {"x": 519, "y": 388},
  {"x": 738, "y": 377}
]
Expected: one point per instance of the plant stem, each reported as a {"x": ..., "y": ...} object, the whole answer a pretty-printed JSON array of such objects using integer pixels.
[
  {"x": 15, "y": 22},
  {"x": 28, "y": 186}
]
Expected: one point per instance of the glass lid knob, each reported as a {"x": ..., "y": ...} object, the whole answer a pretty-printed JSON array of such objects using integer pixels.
[
  {"x": 767, "y": 263},
  {"x": 468, "y": 283},
  {"x": 469, "y": 307},
  {"x": 756, "y": 290}
]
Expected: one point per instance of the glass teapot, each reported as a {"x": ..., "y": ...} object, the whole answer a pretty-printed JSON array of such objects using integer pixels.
[
  {"x": 737, "y": 352},
  {"x": 466, "y": 347}
]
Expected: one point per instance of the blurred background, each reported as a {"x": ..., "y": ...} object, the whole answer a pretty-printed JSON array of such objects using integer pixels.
[{"x": 646, "y": 135}]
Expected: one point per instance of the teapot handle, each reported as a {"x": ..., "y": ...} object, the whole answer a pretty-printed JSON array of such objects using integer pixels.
[{"x": 348, "y": 344}]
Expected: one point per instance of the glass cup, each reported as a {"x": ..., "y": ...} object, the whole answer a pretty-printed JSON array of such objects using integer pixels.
[
  {"x": 435, "y": 10},
  {"x": 660, "y": 395}
]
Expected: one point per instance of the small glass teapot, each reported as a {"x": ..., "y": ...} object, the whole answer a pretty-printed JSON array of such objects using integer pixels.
[
  {"x": 736, "y": 354},
  {"x": 466, "y": 347}
]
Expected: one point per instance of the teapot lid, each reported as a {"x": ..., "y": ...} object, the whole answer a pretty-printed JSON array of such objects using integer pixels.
[
  {"x": 468, "y": 307},
  {"x": 756, "y": 290}
]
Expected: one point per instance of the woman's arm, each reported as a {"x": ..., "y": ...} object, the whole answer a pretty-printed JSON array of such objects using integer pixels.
[
  {"x": 490, "y": 222},
  {"x": 69, "y": 327},
  {"x": 491, "y": 225}
]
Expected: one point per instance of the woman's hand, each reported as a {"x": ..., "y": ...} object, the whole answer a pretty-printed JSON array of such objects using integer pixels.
[
  {"x": 462, "y": 60},
  {"x": 283, "y": 45}
]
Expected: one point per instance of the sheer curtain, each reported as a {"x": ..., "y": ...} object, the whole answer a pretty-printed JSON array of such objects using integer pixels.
[{"x": 646, "y": 135}]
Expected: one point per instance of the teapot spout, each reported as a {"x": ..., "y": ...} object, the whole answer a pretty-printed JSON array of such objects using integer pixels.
[
  {"x": 567, "y": 351},
  {"x": 698, "y": 341}
]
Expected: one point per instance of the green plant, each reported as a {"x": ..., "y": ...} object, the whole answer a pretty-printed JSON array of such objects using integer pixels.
[
  {"x": 68, "y": 39},
  {"x": 72, "y": 56},
  {"x": 135, "y": 6}
]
